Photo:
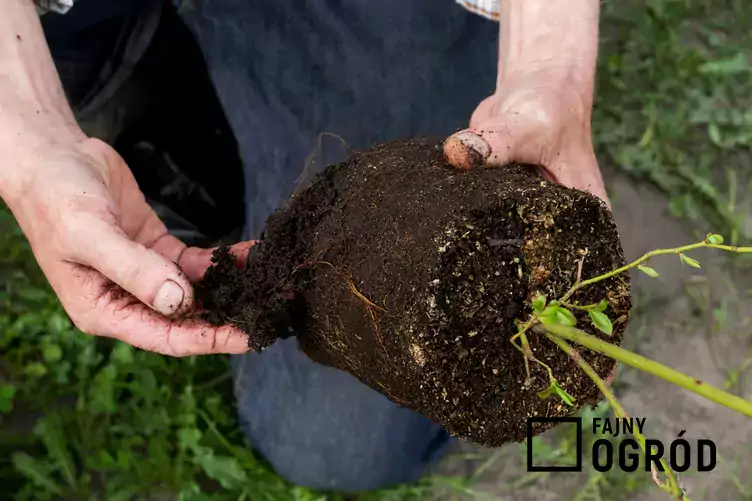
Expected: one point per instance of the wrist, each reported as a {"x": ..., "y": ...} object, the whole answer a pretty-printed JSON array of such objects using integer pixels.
[
  {"x": 34, "y": 111},
  {"x": 25, "y": 140},
  {"x": 558, "y": 38}
]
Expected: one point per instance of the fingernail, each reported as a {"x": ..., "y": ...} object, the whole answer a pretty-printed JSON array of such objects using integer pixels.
[
  {"x": 169, "y": 298},
  {"x": 466, "y": 150}
]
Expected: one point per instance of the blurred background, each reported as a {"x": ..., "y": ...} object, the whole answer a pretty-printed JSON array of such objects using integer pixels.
[{"x": 84, "y": 418}]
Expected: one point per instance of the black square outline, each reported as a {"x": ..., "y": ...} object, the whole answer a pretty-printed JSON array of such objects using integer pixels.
[{"x": 530, "y": 421}]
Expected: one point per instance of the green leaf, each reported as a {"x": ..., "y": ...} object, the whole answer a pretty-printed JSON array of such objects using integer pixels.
[
  {"x": 548, "y": 315},
  {"x": 123, "y": 354},
  {"x": 714, "y": 239},
  {"x": 602, "y": 305},
  {"x": 555, "y": 314},
  {"x": 601, "y": 321},
  {"x": 224, "y": 469},
  {"x": 565, "y": 317},
  {"x": 555, "y": 389},
  {"x": 52, "y": 353},
  {"x": 737, "y": 64},
  {"x": 647, "y": 136},
  {"x": 539, "y": 303},
  {"x": 52, "y": 432},
  {"x": 7, "y": 393},
  {"x": 192, "y": 492},
  {"x": 58, "y": 323},
  {"x": 689, "y": 261},
  {"x": 647, "y": 270},
  {"x": 37, "y": 472},
  {"x": 715, "y": 134},
  {"x": 35, "y": 369},
  {"x": 188, "y": 438},
  {"x": 102, "y": 391}
]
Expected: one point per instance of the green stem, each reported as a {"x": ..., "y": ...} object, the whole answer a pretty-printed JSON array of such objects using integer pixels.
[
  {"x": 525, "y": 346},
  {"x": 587, "y": 307},
  {"x": 213, "y": 427},
  {"x": 653, "y": 253},
  {"x": 644, "y": 364},
  {"x": 619, "y": 412}
]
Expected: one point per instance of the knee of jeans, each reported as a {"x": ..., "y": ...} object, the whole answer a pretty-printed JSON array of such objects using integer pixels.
[
  {"x": 323, "y": 429},
  {"x": 333, "y": 466}
]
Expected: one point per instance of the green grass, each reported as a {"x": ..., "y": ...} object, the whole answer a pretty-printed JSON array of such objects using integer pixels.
[
  {"x": 674, "y": 103},
  {"x": 88, "y": 418}
]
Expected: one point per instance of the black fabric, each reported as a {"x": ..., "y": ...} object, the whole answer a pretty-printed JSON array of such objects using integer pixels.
[
  {"x": 96, "y": 45},
  {"x": 183, "y": 152},
  {"x": 85, "y": 14}
]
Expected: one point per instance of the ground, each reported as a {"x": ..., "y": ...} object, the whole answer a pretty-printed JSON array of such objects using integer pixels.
[{"x": 672, "y": 126}]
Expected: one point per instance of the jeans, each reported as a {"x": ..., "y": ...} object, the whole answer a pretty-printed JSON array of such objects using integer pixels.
[
  {"x": 322, "y": 428},
  {"x": 286, "y": 71}
]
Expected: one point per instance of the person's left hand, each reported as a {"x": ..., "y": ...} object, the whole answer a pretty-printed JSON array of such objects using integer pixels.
[{"x": 535, "y": 117}]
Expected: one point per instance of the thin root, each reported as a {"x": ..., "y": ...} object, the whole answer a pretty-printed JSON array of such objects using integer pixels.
[
  {"x": 354, "y": 290},
  {"x": 310, "y": 159},
  {"x": 370, "y": 306},
  {"x": 580, "y": 263}
]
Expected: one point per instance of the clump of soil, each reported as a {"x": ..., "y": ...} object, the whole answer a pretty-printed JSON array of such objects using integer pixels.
[{"x": 410, "y": 274}]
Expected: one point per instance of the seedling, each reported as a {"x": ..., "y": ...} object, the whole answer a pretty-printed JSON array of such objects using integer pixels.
[{"x": 555, "y": 321}]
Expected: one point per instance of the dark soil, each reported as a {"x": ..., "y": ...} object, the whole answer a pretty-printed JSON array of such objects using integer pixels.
[{"x": 410, "y": 274}]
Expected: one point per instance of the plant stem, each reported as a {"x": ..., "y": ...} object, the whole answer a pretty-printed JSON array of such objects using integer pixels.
[
  {"x": 571, "y": 306},
  {"x": 639, "y": 362},
  {"x": 535, "y": 359},
  {"x": 525, "y": 348},
  {"x": 658, "y": 252},
  {"x": 619, "y": 412}
]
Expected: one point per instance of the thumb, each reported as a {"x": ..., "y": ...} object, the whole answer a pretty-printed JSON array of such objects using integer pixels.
[
  {"x": 480, "y": 146},
  {"x": 144, "y": 273}
]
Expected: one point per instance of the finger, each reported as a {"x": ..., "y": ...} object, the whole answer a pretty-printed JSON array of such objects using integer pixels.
[
  {"x": 496, "y": 143},
  {"x": 101, "y": 308},
  {"x": 194, "y": 261},
  {"x": 147, "y": 275},
  {"x": 466, "y": 150}
]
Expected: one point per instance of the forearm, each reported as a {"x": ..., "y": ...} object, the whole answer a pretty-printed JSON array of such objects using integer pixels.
[
  {"x": 560, "y": 36},
  {"x": 33, "y": 108}
]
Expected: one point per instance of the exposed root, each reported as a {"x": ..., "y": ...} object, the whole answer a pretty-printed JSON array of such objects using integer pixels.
[
  {"x": 354, "y": 290},
  {"x": 305, "y": 174},
  {"x": 370, "y": 306}
]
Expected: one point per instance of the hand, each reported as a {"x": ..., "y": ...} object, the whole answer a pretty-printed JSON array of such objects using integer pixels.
[
  {"x": 535, "y": 117},
  {"x": 109, "y": 258}
]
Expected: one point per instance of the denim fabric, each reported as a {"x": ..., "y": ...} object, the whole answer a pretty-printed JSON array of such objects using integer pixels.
[
  {"x": 321, "y": 428},
  {"x": 287, "y": 70}
]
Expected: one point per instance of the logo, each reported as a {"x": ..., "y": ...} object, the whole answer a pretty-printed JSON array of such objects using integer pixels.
[{"x": 625, "y": 453}]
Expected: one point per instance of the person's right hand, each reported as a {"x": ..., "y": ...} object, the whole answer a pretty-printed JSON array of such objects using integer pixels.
[{"x": 107, "y": 255}]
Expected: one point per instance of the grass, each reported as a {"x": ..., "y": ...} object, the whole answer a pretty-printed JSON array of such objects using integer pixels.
[{"x": 88, "y": 418}]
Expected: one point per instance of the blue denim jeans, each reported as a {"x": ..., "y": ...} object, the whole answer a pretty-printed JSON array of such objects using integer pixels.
[
  {"x": 286, "y": 71},
  {"x": 368, "y": 71}
]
